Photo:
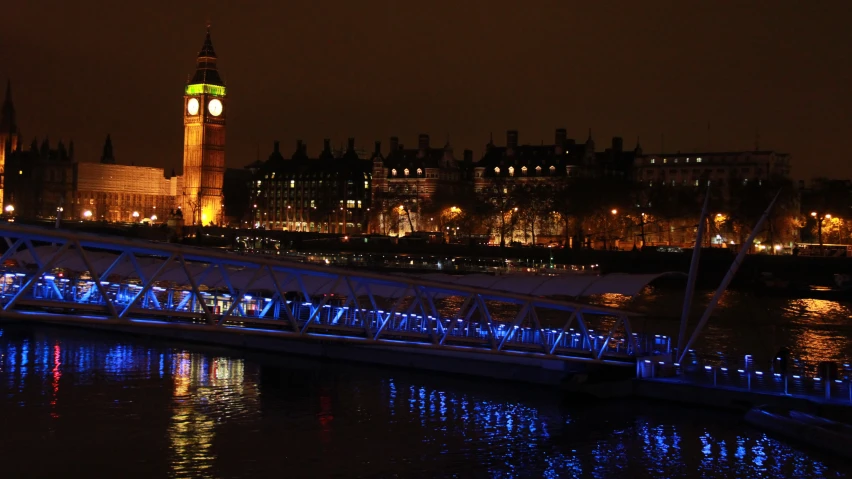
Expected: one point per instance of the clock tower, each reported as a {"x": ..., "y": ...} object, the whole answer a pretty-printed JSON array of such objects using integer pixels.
[{"x": 204, "y": 112}]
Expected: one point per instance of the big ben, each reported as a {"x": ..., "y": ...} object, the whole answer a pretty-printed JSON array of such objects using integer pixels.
[{"x": 204, "y": 112}]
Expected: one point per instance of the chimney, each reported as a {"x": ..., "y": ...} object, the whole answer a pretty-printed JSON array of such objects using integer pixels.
[
  {"x": 326, "y": 145},
  {"x": 423, "y": 141},
  {"x": 512, "y": 139},
  {"x": 351, "y": 144},
  {"x": 561, "y": 136},
  {"x": 394, "y": 144},
  {"x": 275, "y": 146},
  {"x": 617, "y": 144},
  {"x": 378, "y": 148},
  {"x": 468, "y": 156}
]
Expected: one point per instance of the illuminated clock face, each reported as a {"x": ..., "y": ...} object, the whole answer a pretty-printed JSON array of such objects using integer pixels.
[
  {"x": 192, "y": 106},
  {"x": 215, "y": 107}
]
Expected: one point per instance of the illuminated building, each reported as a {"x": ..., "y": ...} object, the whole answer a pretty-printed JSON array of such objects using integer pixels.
[
  {"x": 41, "y": 179},
  {"x": 329, "y": 194},
  {"x": 10, "y": 137},
  {"x": 414, "y": 180},
  {"x": 691, "y": 169},
  {"x": 204, "y": 140},
  {"x": 121, "y": 193},
  {"x": 518, "y": 163}
]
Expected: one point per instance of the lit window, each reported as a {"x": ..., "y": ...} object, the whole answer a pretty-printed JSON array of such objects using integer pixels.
[
  {"x": 552, "y": 169},
  {"x": 273, "y": 176},
  {"x": 511, "y": 171},
  {"x": 350, "y": 203},
  {"x": 359, "y": 203},
  {"x": 696, "y": 182},
  {"x": 393, "y": 172},
  {"x": 675, "y": 160},
  {"x": 497, "y": 170},
  {"x": 405, "y": 172},
  {"x": 366, "y": 185},
  {"x": 687, "y": 160},
  {"x": 538, "y": 170},
  {"x": 419, "y": 172},
  {"x": 698, "y": 160},
  {"x": 665, "y": 160},
  {"x": 20, "y": 172},
  {"x": 313, "y": 204},
  {"x": 524, "y": 170},
  {"x": 745, "y": 182},
  {"x": 292, "y": 183},
  {"x": 653, "y": 161}
]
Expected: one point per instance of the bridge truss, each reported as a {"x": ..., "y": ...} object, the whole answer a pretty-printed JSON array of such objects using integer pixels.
[{"x": 76, "y": 277}]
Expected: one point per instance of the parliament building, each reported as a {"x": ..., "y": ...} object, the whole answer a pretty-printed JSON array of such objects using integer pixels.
[{"x": 45, "y": 181}]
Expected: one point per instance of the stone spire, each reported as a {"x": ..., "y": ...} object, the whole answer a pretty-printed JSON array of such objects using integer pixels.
[
  {"x": 108, "y": 157},
  {"x": 205, "y": 69},
  {"x": 7, "y": 115}
]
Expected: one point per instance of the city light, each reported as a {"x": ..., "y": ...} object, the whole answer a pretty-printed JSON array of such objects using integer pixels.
[
  {"x": 153, "y": 217},
  {"x": 87, "y": 214},
  {"x": 614, "y": 211},
  {"x": 10, "y": 209}
]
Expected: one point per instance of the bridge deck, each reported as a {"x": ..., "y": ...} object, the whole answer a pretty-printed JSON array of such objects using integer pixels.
[{"x": 81, "y": 277}]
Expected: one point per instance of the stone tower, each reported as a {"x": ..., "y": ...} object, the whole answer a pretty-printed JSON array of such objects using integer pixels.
[
  {"x": 204, "y": 112},
  {"x": 10, "y": 137}
]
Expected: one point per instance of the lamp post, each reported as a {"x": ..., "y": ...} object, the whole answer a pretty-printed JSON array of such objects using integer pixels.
[
  {"x": 819, "y": 219},
  {"x": 606, "y": 227}
]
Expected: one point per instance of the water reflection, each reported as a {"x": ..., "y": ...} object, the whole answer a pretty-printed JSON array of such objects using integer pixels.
[
  {"x": 207, "y": 391},
  {"x": 186, "y": 413}
]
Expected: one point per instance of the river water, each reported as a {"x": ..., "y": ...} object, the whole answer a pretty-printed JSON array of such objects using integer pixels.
[{"x": 82, "y": 404}]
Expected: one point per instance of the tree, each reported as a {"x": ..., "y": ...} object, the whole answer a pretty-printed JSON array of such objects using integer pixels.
[
  {"x": 194, "y": 204},
  {"x": 534, "y": 204}
]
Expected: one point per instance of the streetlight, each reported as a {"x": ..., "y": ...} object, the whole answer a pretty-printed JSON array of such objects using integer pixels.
[
  {"x": 153, "y": 217},
  {"x": 10, "y": 209},
  {"x": 87, "y": 214},
  {"x": 819, "y": 219},
  {"x": 606, "y": 226}
]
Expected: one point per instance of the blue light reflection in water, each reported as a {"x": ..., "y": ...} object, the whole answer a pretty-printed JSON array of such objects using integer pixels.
[{"x": 184, "y": 412}]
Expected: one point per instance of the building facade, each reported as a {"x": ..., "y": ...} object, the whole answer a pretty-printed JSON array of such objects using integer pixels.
[
  {"x": 412, "y": 185},
  {"x": 204, "y": 141},
  {"x": 10, "y": 136},
  {"x": 47, "y": 182},
  {"x": 691, "y": 169},
  {"x": 327, "y": 194}
]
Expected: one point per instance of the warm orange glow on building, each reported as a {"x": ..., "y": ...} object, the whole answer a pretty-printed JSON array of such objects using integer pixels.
[{"x": 204, "y": 141}]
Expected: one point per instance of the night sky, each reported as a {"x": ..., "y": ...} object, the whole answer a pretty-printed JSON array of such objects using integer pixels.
[{"x": 372, "y": 69}]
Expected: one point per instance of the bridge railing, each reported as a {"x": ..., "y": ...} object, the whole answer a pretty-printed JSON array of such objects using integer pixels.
[{"x": 76, "y": 275}]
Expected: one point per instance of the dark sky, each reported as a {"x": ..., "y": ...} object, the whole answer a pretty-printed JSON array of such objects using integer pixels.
[{"x": 376, "y": 68}]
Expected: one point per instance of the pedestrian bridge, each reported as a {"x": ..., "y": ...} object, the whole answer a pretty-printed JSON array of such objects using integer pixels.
[{"x": 79, "y": 278}]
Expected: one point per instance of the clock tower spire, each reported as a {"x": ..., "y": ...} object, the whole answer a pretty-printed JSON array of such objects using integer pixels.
[{"x": 204, "y": 140}]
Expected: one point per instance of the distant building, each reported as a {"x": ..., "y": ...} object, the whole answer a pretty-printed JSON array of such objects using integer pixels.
[
  {"x": 722, "y": 168},
  {"x": 46, "y": 182},
  {"x": 328, "y": 194},
  {"x": 10, "y": 137},
  {"x": 415, "y": 182},
  {"x": 41, "y": 180},
  {"x": 517, "y": 163},
  {"x": 204, "y": 141}
]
